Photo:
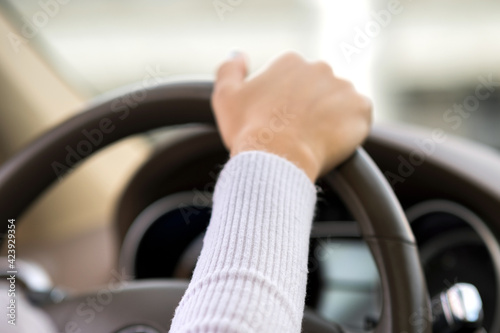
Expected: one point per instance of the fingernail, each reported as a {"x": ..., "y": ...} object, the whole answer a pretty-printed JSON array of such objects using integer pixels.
[{"x": 234, "y": 54}]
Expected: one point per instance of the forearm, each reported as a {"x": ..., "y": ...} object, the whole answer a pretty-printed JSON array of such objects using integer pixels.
[{"x": 252, "y": 272}]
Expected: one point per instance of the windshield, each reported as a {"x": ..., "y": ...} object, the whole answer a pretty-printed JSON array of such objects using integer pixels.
[{"x": 430, "y": 63}]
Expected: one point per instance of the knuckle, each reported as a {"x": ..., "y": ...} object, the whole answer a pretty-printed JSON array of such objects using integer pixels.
[
  {"x": 291, "y": 57},
  {"x": 346, "y": 84},
  {"x": 322, "y": 66},
  {"x": 365, "y": 108},
  {"x": 365, "y": 105}
]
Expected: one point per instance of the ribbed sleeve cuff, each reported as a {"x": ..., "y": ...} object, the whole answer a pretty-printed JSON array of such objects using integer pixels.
[{"x": 251, "y": 275}]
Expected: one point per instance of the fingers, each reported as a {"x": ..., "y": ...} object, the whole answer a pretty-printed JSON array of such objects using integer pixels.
[{"x": 231, "y": 73}]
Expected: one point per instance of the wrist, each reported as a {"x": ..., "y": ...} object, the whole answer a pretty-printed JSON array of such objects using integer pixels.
[{"x": 288, "y": 147}]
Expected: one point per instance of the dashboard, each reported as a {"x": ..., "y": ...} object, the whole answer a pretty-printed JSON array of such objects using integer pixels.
[{"x": 451, "y": 198}]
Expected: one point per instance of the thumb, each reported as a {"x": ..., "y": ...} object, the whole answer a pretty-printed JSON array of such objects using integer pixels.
[{"x": 232, "y": 72}]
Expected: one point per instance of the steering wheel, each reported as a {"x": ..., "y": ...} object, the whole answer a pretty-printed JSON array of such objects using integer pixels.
[{"x": 358, "y": 181}]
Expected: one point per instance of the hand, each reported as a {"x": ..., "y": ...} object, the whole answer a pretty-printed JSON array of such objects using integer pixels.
[{"x": 293, "y": 108}]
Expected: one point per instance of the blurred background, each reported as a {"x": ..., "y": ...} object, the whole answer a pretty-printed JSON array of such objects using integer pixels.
[
  {"x": 417, "y": 60},
  {"x": 414, "y": 58}
]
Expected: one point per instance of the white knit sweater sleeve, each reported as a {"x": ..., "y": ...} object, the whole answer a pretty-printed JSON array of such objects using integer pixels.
[{"x": 252, "y": 271}]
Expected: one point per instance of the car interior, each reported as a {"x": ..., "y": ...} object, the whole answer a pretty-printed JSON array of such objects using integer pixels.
[{"x": 109, "y": 156}]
